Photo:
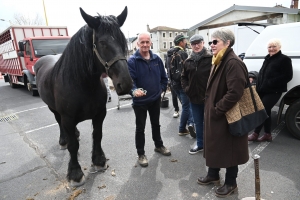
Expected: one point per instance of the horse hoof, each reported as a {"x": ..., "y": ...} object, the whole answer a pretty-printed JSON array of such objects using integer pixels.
[
  {"x": 94, "y": 169},
  {"x": 77, "y": 184},
  {"x": 63, "y": 147}
]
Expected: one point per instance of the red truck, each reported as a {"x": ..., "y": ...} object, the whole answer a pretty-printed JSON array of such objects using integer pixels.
[{"x": 22, "y": 46}]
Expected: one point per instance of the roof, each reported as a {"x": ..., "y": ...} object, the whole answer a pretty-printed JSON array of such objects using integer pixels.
[
  {"x": 246, "y": 8},
  {"x": 132, "y": 39},
  {"x": 165, "y": 28}
]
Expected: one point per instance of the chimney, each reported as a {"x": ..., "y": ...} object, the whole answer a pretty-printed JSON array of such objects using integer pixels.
[
  {"x": 148, "y": 28},
  {"x": 294, "y": 4}
]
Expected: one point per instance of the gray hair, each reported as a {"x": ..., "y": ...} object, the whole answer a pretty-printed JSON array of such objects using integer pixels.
[
  {"x": 144, "y": 33},
  {"x": 274, "y": 41},
  {"x": 224, "y": 34}
]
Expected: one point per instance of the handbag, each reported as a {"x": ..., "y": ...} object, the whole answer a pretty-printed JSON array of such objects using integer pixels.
[{"x": 248, "y": 113}]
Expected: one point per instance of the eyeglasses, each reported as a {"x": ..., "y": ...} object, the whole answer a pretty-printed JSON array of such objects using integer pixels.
[{"x": 214, "y": 42}]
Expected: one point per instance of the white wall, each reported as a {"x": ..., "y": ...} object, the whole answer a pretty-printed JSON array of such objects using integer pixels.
[{"x": 243, "y": 36}]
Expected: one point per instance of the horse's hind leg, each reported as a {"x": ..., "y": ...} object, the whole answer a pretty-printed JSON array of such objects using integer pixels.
[
  {"x": 62, "y": 137},
  {"x": 98, "y": 156},
  {"x": 75, "y": 174}
]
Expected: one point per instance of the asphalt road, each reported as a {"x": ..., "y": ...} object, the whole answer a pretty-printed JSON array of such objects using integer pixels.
[{"x": 33, "y": 167}]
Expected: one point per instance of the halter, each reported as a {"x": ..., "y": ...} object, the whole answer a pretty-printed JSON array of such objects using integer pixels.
[{"x": 107, "y": 65}]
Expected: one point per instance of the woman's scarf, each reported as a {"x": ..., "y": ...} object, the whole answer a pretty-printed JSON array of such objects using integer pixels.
[
  {"x": 216, "y": 59},
  {"x": 198, "y": 55}
]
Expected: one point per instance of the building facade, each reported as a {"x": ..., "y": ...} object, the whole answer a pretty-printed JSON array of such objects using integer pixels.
[
  {"x": 162, "y": 38},
  {"x": 236, "y": 15}
]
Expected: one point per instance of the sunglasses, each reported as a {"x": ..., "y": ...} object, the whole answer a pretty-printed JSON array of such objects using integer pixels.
[
  {"x": 195, "y": 43},
  {"x": 214, "y": 42}
]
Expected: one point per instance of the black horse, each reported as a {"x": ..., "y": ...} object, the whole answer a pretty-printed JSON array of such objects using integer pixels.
[{"x": 71, "y": 84}]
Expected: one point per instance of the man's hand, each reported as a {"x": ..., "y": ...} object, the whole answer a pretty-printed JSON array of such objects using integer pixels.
[
  {"x": 139, "y": 93},
  {"x": 251, "y": 80}
]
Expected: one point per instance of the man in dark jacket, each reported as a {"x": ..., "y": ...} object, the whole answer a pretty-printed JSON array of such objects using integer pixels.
[
  {"x": 194, "y": 80},
  {"x": 149, "y": 81},
  {"x": 175, "y": 58}
]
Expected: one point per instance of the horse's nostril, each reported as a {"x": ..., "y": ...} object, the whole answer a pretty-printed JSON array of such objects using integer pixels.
[{"x": 119, "y": 86}]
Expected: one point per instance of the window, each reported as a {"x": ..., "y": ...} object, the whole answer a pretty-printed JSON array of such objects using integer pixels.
[
  {"x": 170, "y": 34},
  {"x": 151, "y": 35},
  {"x": 151, "y": 45},
  {"x": 171, "y": 44},
  {"x": 181, "y": 33},
  {"x": 27, "y": 48},
  {"x": 165, "y": 45},
  {"x": 49, "y": 47},
  {"x": 164, "y": 34},
  {"x": 176, "y": 34}
]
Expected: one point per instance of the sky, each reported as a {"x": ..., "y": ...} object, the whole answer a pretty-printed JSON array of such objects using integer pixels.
[{"x": 180, "y": 14}]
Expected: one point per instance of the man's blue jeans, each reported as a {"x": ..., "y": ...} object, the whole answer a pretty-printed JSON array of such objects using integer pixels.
[
  {"x": 186, "y": 112},
  {"x": 198, "y": 115}
]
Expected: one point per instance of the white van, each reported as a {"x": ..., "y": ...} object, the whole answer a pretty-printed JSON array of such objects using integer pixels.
[{"x": 254, "y": 57}]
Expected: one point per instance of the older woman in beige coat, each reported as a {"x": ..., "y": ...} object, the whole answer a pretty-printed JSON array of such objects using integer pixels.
[{"x": 225, "y": 86}]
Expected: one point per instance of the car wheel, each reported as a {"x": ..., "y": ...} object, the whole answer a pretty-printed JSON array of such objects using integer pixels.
[{"x": 292, "y": 119}]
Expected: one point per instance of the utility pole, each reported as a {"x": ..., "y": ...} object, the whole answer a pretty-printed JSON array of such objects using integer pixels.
[{"x": 45, "y": 13}]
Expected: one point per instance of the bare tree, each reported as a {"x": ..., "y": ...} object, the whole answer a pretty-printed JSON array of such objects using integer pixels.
[{"x": 21, "y": 19}]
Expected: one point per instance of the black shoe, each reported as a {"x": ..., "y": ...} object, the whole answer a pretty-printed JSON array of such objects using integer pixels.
[
  {"x": 208, "y": 180},
  {"x": 226, "y": 190},
  {"x": 192, "y": 131},
  {"x": 195, "y": 150}
]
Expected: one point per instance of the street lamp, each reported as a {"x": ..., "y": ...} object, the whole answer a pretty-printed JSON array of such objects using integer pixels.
[
  {"x": 2, "y": 26},
  {"x": 5, "y": 20}
]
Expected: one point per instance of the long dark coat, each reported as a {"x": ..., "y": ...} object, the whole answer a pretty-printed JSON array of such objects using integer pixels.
[{"x": 224, "y": 88}]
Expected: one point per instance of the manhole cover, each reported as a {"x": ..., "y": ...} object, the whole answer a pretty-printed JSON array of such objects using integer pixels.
[{"x": 8, "y": 118}]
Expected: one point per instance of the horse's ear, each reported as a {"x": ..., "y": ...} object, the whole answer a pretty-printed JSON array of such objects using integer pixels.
[
  {"x": 121, "y": 18},
  {"x": 92, "y": 22}
]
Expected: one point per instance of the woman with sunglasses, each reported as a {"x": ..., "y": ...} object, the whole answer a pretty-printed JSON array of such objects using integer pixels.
[
  {"x": 272, "y": 80},
  {"x": 225, "y": 87}
]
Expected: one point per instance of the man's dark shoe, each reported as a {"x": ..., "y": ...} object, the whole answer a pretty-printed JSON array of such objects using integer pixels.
[
  {"x": 226, "y": 190},
  {"x": 208, "y": 180},
  {"x": 195, "y": 150},
  {"x": 184, "y": 132},
  {"x": 253, "y": 137},
  {"x": 267, "y": 137},
  {"x": 192, "y": 131}
]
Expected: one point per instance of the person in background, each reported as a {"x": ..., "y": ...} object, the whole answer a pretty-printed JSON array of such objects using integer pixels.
[
  {"x": 272, "y": 80},
  {"x": 175, "y": 103},
  {"x": 253, "y": 77},
  {"x": 149, "y": 81},
  {"x": 225, "y": 87},
  {"x": 194, "y": 80},
  {"x": 108, "y": 89},
  {"x": 175, "y": 58},
  {"x": 174, "y": 95}
]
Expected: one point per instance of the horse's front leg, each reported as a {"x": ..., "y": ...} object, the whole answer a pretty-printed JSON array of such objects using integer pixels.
[
  {"x": 98, "y": 156},
  {"x": 75, "y": 174},
  {"x": 63, "y": 137}
]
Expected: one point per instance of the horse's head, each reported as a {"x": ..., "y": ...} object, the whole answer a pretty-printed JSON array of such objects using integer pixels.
[{"x": 110, "y": 46}]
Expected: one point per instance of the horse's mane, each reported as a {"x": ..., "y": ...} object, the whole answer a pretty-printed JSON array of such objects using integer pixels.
[{"x": 76, "y": 65}]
